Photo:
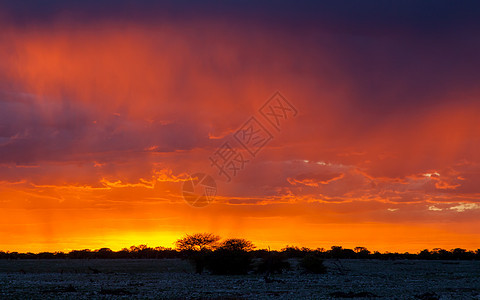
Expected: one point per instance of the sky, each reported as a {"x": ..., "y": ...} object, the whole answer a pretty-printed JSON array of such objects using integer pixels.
[{"x": 108, "y": 107}]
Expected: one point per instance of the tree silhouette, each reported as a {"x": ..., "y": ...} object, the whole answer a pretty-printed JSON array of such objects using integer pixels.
[
  {"x": 231, "y": 257},
  {"x": 362, "y": 252},
  {"x": 197, "y": 242},
  {"x": 197, "y": 248},
  {"x": 238, "y": 256},
  {"x": 237, "y": 245}
]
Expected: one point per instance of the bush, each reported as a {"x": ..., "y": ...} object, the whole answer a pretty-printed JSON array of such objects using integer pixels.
[
  {"x": 229, "y": 262},
  {"x": 313, "y": 264},
  {"x": 273, "y": 263}
]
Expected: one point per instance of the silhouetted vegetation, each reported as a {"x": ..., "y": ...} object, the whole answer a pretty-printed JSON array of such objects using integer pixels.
[
  {"x": 273, "y": 263},
  {"x": 231, "y": 257},
  {"x": 229, "y": 262},
  {"x": 236, "y": 256},
  {"x": 197, "y": 242},
  {"x": 237, "y": 245},
  {"x": 313, "y": 264}
]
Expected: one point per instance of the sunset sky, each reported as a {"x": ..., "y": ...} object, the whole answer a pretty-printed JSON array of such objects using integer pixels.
[{"x": 107, "y": 107}]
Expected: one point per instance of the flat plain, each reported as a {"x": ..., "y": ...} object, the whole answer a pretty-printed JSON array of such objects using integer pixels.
[{"x": 175, "y": 279}]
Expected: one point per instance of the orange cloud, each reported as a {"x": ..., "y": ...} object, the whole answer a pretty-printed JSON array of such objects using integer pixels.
[{"x": 101, "y": 123}]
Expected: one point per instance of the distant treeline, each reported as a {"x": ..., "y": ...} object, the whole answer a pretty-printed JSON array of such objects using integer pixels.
[
  {"x": 206, "y": 242},
  {"x": 145, "y": 252}
]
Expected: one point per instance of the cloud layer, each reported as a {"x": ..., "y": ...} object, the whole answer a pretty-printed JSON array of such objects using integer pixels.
[{"x": 104, "y": 110}]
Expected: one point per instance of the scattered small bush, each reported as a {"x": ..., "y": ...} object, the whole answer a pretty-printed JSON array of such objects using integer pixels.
[
  {"x": 199, "y": 260},
  {"x": 229, "y": 262},
  {"x": 313, "y": 264},
  {"x": 273, "y": 263}
]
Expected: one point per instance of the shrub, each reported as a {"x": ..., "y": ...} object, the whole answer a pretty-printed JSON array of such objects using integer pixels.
[
  {"x": 293, "y": 252},
  {"x": 313, "y": 264},
  {"x": 198, "y": 259},
  {"x": 273, "y": 263},
  {"x": 229, "y": 262}
]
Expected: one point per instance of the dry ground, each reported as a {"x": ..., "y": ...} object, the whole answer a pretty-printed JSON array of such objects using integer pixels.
[{"x": 174, "y": 278}]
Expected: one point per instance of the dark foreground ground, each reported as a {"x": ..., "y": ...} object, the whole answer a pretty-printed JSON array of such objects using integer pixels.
[{"x": 174, "y": 278}]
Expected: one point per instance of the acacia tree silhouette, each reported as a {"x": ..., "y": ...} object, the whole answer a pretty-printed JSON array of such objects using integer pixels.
[
  {"x": 197, "y": 246},
  {"x": 232, "y": 257},
  {"x": 197, "y": 242},
  {"x": 237, "y": 245}
]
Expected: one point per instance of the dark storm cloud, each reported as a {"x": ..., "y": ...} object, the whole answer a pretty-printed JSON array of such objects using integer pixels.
[
  {"x": 32, "y": 132},
  {"x": 398, "y": 55},
  {"x": 351, "y": 16},
  {"x": 392, "y": 60}
]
